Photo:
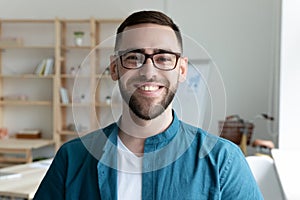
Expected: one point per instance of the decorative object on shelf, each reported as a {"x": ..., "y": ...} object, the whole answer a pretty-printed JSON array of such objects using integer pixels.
[
  {"x": 78, "y": 38},
  {"x": 11, "y": 42},
  {"x": 108, "y": 100},
  {"x": 82, "y": 97},
  {"x": 71, "y": 127},
  {"x": 29, "y": 134},
  {"x": 22, "y": 97},
  {"x": 106, "y": 72},
  {"x": 3, "y": 133},
  {"x": 15, "y": 97},
  {"x": 72, "y": 71},
  {"x": 82, "y": 128}
]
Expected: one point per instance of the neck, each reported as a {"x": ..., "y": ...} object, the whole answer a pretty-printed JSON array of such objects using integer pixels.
[
  {"x": 140, "y": 128},
  {"x": 134, "y": 130}
]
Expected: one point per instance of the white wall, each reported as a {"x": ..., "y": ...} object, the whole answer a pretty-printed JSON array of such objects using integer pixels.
[
  {"x": 242, "y": 37},
  {"x": 290, "y": 76},
  {"x": 73, "y": 8}
]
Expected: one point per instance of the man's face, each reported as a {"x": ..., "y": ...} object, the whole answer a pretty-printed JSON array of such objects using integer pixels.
[{"x": 148, "y": 91}]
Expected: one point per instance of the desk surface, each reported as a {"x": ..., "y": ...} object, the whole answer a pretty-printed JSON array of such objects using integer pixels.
[
  {"x": 13, "y": 143},
  {"x": 288, "y": 169},
  {"x": 27, "y": 183}
]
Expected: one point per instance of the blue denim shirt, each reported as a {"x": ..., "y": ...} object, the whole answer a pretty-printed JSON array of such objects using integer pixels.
[{"x": 183, "y": 162}]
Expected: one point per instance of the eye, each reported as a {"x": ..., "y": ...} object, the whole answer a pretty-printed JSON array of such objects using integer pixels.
[
  {"x": 130, "y": 56},
  {"x": 162, "y": 58}
]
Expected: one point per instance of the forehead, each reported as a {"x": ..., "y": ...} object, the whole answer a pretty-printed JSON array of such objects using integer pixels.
[{"x": 153, "y": 36}]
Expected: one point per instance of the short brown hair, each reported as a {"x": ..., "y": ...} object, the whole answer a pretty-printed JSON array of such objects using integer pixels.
[{"x": 142, "y": 17}]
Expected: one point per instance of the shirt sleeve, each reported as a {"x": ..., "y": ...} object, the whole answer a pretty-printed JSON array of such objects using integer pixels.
[
  {"x": 53, "y": 184},
  {"x": 237, "y": 181}
]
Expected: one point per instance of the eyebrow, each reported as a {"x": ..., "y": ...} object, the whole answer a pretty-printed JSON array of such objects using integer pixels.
[{"x": 142, "y": 50}]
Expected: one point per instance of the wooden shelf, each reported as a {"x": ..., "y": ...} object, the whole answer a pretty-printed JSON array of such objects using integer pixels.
[
  {"x": 108, "y": 21},
  {"x": 66, "y": 48},
  {"x": 28, "y": 76},
  {"x": 79, "y": 21},
  {"x": 75, "y": 104},
  {"x": 74, "y": 76},
  {"x": 106, "y": 76},
  {"x": 103, "y": 104},
  {"x": 27, "y": 21},
  {"x": 99, "y": 104},
  {"x": 66, "y": 132},
  {"x": 25, "y": 103},
  {"x": 28, "y": 47},
  {"x": 105, "y": 47},
  {"x": 22, "y": 49},
  {"x": 69, "y": 133}
]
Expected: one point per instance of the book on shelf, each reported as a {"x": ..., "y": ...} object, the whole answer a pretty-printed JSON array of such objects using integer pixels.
[
  {"x": 64, "y": 95},
  {"x": 39, "y": 69},
  {"x": 49, "y": 66},
  {"x": 45, "y": 67}
]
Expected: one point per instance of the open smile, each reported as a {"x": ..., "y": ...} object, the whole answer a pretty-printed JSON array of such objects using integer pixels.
[{"x": 150, "y": 89}]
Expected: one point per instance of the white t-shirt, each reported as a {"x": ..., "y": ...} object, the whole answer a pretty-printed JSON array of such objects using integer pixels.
[{"x": 129, "y": 174}]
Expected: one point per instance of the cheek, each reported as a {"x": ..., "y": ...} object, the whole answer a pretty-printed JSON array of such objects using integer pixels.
[
  {"x": 172, "y": 81},
  {"x": 173, "y": 77},
  {"x": 125, "y": 76}
]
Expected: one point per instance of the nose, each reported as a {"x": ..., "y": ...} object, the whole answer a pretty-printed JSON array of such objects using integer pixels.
[{"x": 148, "y": 70}]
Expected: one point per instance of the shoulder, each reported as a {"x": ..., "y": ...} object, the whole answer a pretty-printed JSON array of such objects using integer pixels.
[
  {"x": 91, "y": 143},
  {"x": 226, "y": 160},
  {"x": 211, "y": 145},
  {"x": 204, "y": 137}
]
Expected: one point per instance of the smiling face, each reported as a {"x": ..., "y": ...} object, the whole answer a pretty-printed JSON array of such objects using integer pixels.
[{"x": 148, "y": 91}]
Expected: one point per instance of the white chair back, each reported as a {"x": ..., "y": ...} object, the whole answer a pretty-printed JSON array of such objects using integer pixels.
[{"x": 266, "y": 177}]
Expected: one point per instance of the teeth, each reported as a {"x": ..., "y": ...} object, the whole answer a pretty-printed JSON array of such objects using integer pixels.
[{"x": 149, "y": 88}]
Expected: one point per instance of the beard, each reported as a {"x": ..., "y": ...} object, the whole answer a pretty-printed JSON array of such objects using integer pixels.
[{"x": 145, "y": 107}]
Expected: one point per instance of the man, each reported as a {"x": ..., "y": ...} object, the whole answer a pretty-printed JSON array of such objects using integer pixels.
[{"x": 149, "y": 153}]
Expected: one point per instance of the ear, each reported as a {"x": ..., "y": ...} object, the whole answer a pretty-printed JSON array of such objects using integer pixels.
[
  {"x": 113, "y": 68},
  {"x": 183, "y": 67}
]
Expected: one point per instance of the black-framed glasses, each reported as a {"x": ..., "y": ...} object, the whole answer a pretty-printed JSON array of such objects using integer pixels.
[{"x": 163, "y": 60}]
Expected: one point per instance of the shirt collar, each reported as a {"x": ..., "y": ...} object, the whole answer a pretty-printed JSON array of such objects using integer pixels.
[
  {"x": 166, "y": 135},
  {"x": 112, "y": 132}
]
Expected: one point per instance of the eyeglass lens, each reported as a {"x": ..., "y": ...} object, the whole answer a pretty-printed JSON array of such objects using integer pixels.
[{"x": 164, "y": 61}]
